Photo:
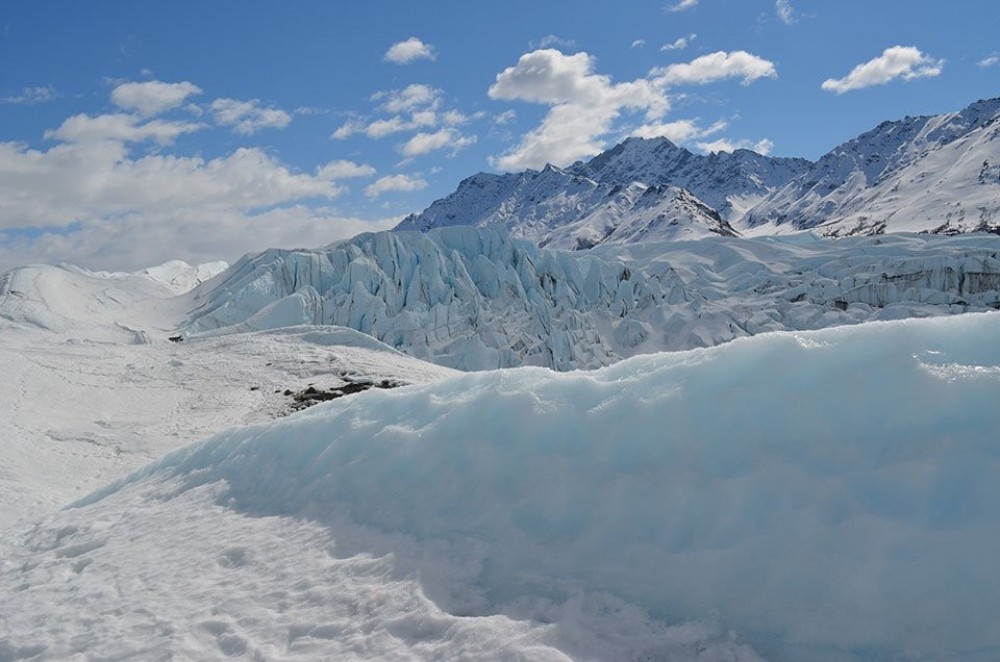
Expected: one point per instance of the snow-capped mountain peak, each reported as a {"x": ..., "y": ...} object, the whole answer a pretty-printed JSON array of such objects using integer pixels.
[{"x": 928, "y": 174}]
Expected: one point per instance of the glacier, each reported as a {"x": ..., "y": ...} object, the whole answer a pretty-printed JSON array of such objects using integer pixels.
[
  {"x": 475, "y": 298},
  {"x": 824, "y": 495}
]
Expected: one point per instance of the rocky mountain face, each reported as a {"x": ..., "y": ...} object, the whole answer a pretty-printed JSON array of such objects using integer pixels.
[
  {"x": 473, "y": 298},
  {"x": 728, "y": 182},
  {"x": 921, "y": 174},
  {"x": 560, "y": 208}
]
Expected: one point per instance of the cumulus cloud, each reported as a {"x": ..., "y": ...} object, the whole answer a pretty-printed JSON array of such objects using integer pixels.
[
  {"x": 248, "y": 117},
  {"x": 409, "y": 98},
  {"x": 638, "y": 43},
  {"x": 679, "y": 44},
  {"x": 415, "y": 108},
  {"x": 449, "y": 139},
  {"x": 682, "y": 5},
  {"x": 990, "y": 61},
  {"x": 400, "y": 183},
  {"x": 407, "y": 51},
  {"x": 344, "y": 170},
  {"x": 785, "y": 11},
  {"x": 906, "y": 62},
  {"x": 29, "y": 96},
  {"x": 678, "y": 131},
  {"x": 153, "y": 97},
  {"x": 717, "y": 66},
  {"x": 130, "y": 242},
  {"x": 763, "y": 146},
  {"x": 108, "y": 195},
  {"x": 74, "y": 181},
  {"x": 119, "y": 127},
  {"x": 584, "y": 106}
]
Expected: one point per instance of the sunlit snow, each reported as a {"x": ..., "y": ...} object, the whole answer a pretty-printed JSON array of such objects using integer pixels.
[{"x": 814, "y": 495}]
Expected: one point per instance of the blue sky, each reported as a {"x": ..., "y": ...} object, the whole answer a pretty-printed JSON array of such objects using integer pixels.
[{"x": 132, "y": 133}]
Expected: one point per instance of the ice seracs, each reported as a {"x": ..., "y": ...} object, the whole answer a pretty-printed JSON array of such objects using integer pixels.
[{"x": 473, "y": 298}]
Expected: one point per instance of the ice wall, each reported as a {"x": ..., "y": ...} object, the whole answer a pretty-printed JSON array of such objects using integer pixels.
[{"x": 475, "y": 299}]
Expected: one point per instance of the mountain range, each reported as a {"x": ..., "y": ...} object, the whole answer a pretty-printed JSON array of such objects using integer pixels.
[{"x": 937, "y": 174}]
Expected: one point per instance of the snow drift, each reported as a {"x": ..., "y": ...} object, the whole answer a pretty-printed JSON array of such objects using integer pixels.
[{"x": 825, "y": 495}]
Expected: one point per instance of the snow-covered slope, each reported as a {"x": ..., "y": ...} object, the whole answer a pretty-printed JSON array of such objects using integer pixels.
[
  {"x": 90, "y": 387},
  {"x": 181, "y": 277},
  {"x": 98, "y": 305},
  {"x": 807, "y": 496},
  {"x": 560, "y": 209},
  {"x": 920, "y": 174},
  {"x": 475, "y": 299}
]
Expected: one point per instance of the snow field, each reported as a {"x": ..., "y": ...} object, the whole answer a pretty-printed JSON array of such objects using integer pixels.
[{"x": 823, "y": 495}]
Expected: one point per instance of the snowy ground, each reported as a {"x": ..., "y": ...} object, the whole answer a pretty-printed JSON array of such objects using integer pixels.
[
  {"x": 92, "y": 388},
  {"x": 821, "y": 495}
]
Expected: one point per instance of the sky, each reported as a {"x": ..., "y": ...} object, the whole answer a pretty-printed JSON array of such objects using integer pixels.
[{"x": 132, "y": 133}]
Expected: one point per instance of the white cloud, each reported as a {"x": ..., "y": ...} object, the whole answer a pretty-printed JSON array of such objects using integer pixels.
[
  {"x": 119, "y": 127},
  {"x": 344, "y": 170},
  {"x": 679, "y": 44},
  {"x": 409, "y": 98},
  {"x": 102, "y": 199},
  {"x": 401, "y": 183},
  {"x": 678, "y": 131},
  {"x": 453, "y": 118},
  {"x": 409, "y": 50},
  {"x": 717, "y": 66},
  {"x": 990, "y": 61},
  {"x": 906, "y": 62},
  {"x": 29, "y": 96},
  {"x": 682, "y": 5},
  {"x": 638, "y": 43},
  {"x": 347, "y": 129},
  {"x": 416, "y": 107},
  {"x": 506, "y": 117},
  {"x": 584, "y": 106},
  {"x": 785, "y": 11},
  {"x": 763, "y": 146},
  {"x": 248, "y": 117},
  {"x": 71, "y": 182},
  {"x": 152, "y": 97},
  {"x": 130, "y": 242},
  {"x": 387, "y": 127},
  {"x": 423, "y": 143},
  {"x": 550, "y": 40}
]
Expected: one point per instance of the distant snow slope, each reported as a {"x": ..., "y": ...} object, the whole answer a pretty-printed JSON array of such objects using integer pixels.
[
  {"x": 926, "y": 174},
  {"x": 90, "y": 388},
  {"x": 475, "y": 299},
  {"x": 810, "y": 496}
]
